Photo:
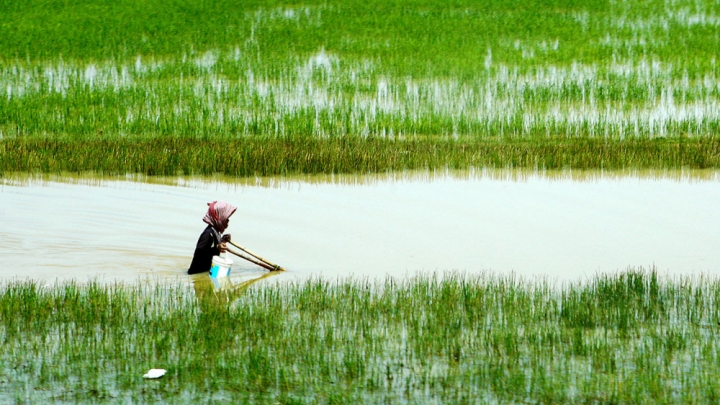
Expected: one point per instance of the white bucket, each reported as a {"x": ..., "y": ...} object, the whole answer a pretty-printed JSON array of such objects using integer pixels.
[{"x": 220, "y": 266}]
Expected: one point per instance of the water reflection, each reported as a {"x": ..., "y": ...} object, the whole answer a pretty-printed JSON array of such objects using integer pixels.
[
  {"x": 219, "y": 180},
  {"x": 205, "y": 285},
  {"x": 216, "y": 294}
]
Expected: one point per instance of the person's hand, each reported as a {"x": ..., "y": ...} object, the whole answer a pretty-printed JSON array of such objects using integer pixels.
[
  {"x": 225, "y": 238},
  {"x": 222, "y": 247}
]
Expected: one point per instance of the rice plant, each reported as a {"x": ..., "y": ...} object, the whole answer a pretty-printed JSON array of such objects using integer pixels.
[
  {"x": 630, "y": 337},
  {"x": 430, "y": 71},
  {"x": 267, "y": 157}
]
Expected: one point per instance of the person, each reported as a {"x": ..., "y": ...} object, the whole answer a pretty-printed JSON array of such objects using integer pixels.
[{"x": 212, "y": 242}]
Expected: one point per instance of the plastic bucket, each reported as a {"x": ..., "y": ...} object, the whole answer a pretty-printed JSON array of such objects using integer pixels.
[{"x": 220, "y": 267}]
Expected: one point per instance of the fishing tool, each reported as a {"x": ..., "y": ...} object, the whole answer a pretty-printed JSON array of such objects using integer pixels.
[{"x": 256, "y": 259}]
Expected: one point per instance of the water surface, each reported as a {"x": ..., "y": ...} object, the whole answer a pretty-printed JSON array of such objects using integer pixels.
[{"x": 563, "y": 225}]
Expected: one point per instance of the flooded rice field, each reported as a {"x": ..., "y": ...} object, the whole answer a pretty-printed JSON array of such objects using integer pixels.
[{"x": 566, "y": 226}]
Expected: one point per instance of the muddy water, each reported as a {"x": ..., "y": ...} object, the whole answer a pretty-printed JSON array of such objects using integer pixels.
[{"x": 562, "y": 225}]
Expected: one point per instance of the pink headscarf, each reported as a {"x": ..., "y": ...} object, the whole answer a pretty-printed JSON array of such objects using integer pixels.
[{"x": 218, "y": 213}]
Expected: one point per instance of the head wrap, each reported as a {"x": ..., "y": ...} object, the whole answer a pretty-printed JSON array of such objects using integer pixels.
[{"x": 217, "y": 215}]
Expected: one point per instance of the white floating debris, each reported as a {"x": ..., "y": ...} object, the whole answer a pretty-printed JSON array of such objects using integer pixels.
[{"x": 155, "y": 373}]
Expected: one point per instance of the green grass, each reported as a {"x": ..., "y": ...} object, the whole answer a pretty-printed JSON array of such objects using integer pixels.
[
  {"x": 265, "y": 157},
  {"x": 482, "y": 72},
  {"x": 630, "y": 337}
]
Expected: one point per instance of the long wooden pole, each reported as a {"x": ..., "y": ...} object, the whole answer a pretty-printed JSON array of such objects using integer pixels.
[
  {"x": 269, "y": 263},
  {"x": 251, "y": 260}
]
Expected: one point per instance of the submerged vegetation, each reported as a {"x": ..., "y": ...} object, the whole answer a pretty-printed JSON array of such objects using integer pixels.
[
  {"x": 420, "y": 83},
  {"x": 630, "y": 337}
]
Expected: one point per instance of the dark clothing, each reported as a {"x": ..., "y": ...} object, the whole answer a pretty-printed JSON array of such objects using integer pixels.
[{"x": 207, "y": 247}]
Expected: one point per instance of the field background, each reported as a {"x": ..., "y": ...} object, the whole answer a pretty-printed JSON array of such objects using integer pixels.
[
  {"x": 117, "y": 86},
  {"x": 165, "y": 87}
]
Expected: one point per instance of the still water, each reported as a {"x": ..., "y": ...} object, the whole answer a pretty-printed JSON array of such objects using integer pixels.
[{"x": 566, "y": 226}]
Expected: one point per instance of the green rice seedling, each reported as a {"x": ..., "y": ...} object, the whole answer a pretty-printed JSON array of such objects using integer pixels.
[
  {"x": 477, "y": 73},
  {"x": 266, "y": 157},
  {"x": 627, "y": 337}
]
